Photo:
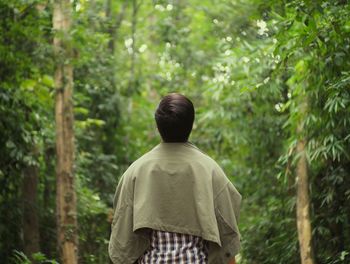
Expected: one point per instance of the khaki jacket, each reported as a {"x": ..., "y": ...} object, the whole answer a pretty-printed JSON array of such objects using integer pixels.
[{"x": 175, "y": 188}]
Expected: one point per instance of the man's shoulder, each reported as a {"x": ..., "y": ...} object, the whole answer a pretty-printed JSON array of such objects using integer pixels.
[
  {"x": 189, "y": 154},
  {"x": 208, "y": 160},
  {"x": 219, "y": 176},
  {"x": 143, "y": 159}
]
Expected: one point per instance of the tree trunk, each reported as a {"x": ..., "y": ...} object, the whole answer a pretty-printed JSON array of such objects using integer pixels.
[
  {"x": 132, "y": 81},
  {"x": 47, "y": 195},
  {"x": 110, "y": 29},
  {"x": 133, "y": 37},
  {"x": 31, "y": 235},
  {"x": 65, "y": 184},
  {"x": 303, "y": 200},
  {"x": 114, "y": 22}
]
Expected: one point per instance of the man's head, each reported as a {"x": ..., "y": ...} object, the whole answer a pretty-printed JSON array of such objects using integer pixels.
[{"x": 174, "y": 117}]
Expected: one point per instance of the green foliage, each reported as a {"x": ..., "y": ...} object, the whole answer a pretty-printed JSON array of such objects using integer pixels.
[
  {"x": 249, "y": 66},
  {"x": 317, "y": 33},
  {"x": 19, "y": 257},
  {"x": 25, "y": 106}
]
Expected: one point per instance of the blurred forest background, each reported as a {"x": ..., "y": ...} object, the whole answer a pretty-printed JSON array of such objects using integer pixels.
[{"x": 270, "y": 80}]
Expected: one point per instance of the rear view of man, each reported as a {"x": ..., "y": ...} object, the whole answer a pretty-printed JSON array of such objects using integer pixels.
[{"x": 175, "y": 204}]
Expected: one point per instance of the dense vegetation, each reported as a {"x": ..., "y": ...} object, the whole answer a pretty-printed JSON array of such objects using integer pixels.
[{"x": 264, "y": 76}]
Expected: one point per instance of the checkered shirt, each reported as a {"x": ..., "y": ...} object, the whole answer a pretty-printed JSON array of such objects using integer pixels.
[{"x": 175, "y": 248}]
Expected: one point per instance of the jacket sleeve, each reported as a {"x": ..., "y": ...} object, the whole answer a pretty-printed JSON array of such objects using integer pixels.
[
  {"x": 125, "y": 245},
  {"x": 227, "y": 210}
]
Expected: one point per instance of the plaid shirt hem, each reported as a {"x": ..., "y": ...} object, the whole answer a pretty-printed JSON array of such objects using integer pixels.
[{"x": 171, "y": 248}]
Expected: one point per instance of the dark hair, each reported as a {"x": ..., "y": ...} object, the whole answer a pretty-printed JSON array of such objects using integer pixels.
[{"x": 174, "y": 117}]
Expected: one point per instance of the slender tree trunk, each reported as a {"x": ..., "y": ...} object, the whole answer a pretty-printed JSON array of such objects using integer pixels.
[
  {"x": 48, "y": 192},
  {"x": 65, "y": 189},
  {"x": 114, "y": 22},
  {"x": 31, "y": 235},
  {"x": 303, "y": 200},
  {"x": 135, "y": 7},
  {"x": 133, "y": 37},
  {"x": 110, "y": 29}
]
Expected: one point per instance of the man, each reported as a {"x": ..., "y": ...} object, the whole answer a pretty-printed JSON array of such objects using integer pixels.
[{"x": 175, "y": 204}]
